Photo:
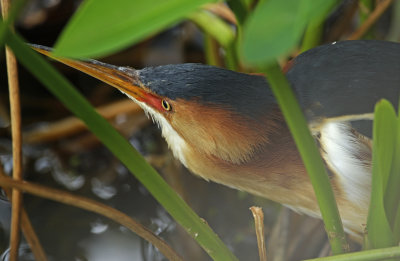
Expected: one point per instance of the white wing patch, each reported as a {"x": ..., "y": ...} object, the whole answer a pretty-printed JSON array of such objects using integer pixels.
[{"x": 349, "y": 157}]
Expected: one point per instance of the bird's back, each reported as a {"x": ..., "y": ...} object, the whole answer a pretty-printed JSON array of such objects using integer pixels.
[{"x": 346, "y": 78}]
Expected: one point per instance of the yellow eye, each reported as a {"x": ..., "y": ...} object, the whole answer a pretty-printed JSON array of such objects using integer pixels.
[{"x": 166, "y": 106}]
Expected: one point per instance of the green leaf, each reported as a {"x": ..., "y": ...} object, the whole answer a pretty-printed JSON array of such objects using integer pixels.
[
  {"x": 276, "y": 27},
  {"x": 379, "y": 231},
  {"x": 386, "y": 132},
  {"x": 392, "y": 192},
  {"x": 121, "y": 148},
  {"x": 101, "y": 27},
  {"x": 369, "y": 255},
  {"x": 396, "y": 226}
]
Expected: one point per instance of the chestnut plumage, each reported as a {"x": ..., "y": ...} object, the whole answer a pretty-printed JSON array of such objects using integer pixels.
[{"x": 226, "y": 126}]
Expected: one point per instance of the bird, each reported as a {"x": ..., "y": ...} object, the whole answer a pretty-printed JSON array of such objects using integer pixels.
[{"x": 227, "y": 127}]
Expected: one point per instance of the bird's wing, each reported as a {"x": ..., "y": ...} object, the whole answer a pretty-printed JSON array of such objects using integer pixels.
[
  {"x": 343, "y": 81},
  {"x": 337, "y": 86}
]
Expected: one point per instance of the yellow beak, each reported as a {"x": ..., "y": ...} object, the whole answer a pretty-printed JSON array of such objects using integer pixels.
[{"x": 124, "y": 79}]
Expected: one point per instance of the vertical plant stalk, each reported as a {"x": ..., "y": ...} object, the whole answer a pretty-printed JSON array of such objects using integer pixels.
[
  {"x": 314, "y": 31},
  {"x": 373, "y": 17},
  {"x": 259, "y": 225},
  {"x": 211, "y": 50},
  {"x": 312, "y": 36},
  {"x": 311, "y": 157},
  {"x": 15, "y": 108},
  {"x": 27, "y": 228},
  {"x": 394, "y": 30},
  {"x": 221, "y": 31}
]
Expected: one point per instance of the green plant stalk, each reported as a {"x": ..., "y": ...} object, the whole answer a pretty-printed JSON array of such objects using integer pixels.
[
  {"x": 315, "y": 27},
  {"x": 12, "y": 14},
  {"x": 313, "y": 35},
  {"x": 241, "y": 10},
  {"x": 394, "y": 30},
  {"x": 368, "y": 255},
  {"x": 211, "y": 50},
  {"x": 311, "y": 157},
  {"x": 117, "y": 144},
  {"x": 231, "y": 60},
  {"x": 220, "y": 31},
  {"x": 214, "y": 26}
]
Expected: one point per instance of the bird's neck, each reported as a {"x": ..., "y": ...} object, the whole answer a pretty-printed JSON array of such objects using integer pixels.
[{"x": 272, "y": 169}]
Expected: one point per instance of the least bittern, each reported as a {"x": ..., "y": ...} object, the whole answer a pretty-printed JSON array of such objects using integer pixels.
[{"x": 227, "y": 127}]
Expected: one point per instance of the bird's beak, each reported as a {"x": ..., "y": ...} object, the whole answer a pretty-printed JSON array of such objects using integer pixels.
[{"x": 124, "y": 79}]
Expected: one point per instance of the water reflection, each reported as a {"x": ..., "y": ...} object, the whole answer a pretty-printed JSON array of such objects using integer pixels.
[
  {"x": 25, "y": 254},
  {"x": 112, "y": 245},
  {"x": 50, "y": 162},
  {"x": 98, "y": 227},
  {"x": 102, "y": 190}
]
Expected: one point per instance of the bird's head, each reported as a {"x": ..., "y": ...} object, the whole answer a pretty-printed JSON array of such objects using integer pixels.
[{"x": 210, "y": 110}]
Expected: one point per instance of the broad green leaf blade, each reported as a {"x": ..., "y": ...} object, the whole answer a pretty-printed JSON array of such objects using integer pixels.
[
  {"x": 392, "y": 196},
  {"x": 396, "y": 226},
  {"x": 392, "y": 192},
  {"x": 119, "y": 146},
  {"x": 386, "y": 137},
  {"x": 379, "y": 231},
  {"x": 276, "y": 27},
  {"x": 272, "y": 30},
  {"x": 101, "y": 27}
]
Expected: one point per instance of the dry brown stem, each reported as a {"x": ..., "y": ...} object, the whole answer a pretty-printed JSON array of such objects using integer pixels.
[
  {"x": 372, "y": 18},
  {"x": 15, "y": 109},
  {"x": 259, "y": 226},
  {"x": 72, "y": 125}
]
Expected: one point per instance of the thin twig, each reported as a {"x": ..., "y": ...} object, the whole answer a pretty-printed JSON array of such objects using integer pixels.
[
  {"x": 15, "y": 109},
  {"x": 373, "y": 17},
  {"x": 259, "y": 225},
  {"x": 93, "y": 206},
  {"x": 27, "y": 228},
  {"x": 73, "y": 125}
]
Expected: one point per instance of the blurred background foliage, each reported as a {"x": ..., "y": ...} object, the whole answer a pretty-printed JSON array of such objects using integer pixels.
[{"x": 59, "y": 152}]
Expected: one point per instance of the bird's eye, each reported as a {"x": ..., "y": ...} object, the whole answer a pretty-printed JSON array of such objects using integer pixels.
[{"x": 166, "y": 106}]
